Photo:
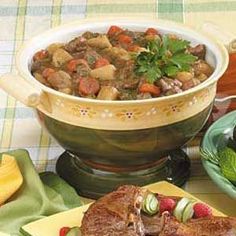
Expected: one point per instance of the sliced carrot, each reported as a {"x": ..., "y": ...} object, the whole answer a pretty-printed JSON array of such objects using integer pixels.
[
  {"x": 150, "y": 88},
  {"x": 125, "y": 39},
  {"x": 114, "y": 30},
  {"x": 133, "y": 48},
  {"x": 40, "y": 55},
  {"x": 72, "y": 64},
  {"x": 88, "y": 86},
  {"x": 101, "y": 62},
  {"x": 47, "y": 72},
  {"x": 151, "y": 31}
]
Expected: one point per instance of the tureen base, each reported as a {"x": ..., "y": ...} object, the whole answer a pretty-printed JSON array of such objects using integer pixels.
[{"x": 94, "y": 182}]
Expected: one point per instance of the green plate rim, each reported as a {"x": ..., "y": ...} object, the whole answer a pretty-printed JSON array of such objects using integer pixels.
[{"x": 213, "y": 170}]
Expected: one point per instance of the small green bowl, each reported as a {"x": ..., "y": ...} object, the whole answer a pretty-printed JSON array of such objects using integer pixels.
[{"x": 214, "y": 139}]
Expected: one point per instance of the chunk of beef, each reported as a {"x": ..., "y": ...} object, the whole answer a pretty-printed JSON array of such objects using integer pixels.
[
  {"x": 124, "y": 86},
  {"x": 60, "y": 81},
  {"x": 202, "y": 67},
  {"x": 36, "y": 66},
  {"x": 198, "y": 51},
  {"x": 170, "y": 86},
  {"x": 89, "y": 35},
  {"x": 125, "y": 69},
  {"x": 190, "y": 84},
  {"x": 127, "y": 94},
  {"x": 76, "y": 45}
]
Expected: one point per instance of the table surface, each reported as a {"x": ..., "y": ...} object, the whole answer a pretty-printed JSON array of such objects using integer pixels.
[{"x": 22, "y": 19}]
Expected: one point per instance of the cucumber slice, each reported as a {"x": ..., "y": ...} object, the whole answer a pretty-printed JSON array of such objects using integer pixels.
[
  {"x": 178, "y": 211},
  {"x": 150, "y": 204},
  {"x": 75, "y": 231},
  {"x": 188, "y": 211},
  {"x": 153, "y": 205}
]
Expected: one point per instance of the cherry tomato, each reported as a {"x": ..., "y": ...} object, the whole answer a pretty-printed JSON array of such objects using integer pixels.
[{"x": 63, "y": 231}]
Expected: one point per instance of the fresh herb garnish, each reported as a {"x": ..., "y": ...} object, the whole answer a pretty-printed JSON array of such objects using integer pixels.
[
  {"x": 164, "y": 57},
  {"x": 91, "y": 59},
  {"x": 225, "y": 159}
]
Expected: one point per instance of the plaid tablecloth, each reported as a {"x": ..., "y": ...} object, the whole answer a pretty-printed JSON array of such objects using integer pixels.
[{"x": 22, "y": 19}]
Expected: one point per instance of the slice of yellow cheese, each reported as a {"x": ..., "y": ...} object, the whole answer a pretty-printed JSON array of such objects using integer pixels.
[{"x": 10, "y": 177}]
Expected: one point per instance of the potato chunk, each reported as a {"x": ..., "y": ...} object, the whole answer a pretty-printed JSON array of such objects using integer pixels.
[
  {"x": 100, "y": 42},
  {"x": 60, "y": 57},
  {"x": 104, "y": 73},
  {"x": 115, "y": 52},
  {"x": 184, "y": 76},
  {"x": 53, "y": 47},
  {"x": 108, "y": 93}
]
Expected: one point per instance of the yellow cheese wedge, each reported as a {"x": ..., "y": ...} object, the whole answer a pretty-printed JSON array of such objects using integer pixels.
[{"x": 10, "y": 177}]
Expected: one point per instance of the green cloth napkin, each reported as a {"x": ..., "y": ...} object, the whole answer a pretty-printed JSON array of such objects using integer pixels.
[{"x": 40, "y": 195}]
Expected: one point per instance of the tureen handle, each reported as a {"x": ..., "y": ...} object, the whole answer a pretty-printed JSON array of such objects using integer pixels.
[
  {"x": 20, "y": 89},
  {"x": 227, "y": 38}
]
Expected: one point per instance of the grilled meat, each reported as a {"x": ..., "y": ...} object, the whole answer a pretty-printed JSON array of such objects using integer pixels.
[{"x": 119, "y": 214}]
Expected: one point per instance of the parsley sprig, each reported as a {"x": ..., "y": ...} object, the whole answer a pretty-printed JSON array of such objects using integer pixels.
[{"x": 164, "y": 57}]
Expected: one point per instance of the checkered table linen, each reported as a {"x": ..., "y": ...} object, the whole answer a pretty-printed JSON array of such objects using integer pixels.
[{"x": 20, "y": 20}]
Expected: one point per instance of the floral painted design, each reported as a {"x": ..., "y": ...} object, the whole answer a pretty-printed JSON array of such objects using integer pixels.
[
  {"x": 60, "y": 103},
  {"x": 193, "y": 101},
  {"x": 142, "y": 115},
  {"x": 83, "y": 111},
  {"x": 106, "y": 113},
  {"x": 152, "y": 111},
  {"x": 133, "y": 114},
  {"x": 174, "y": 108}
]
